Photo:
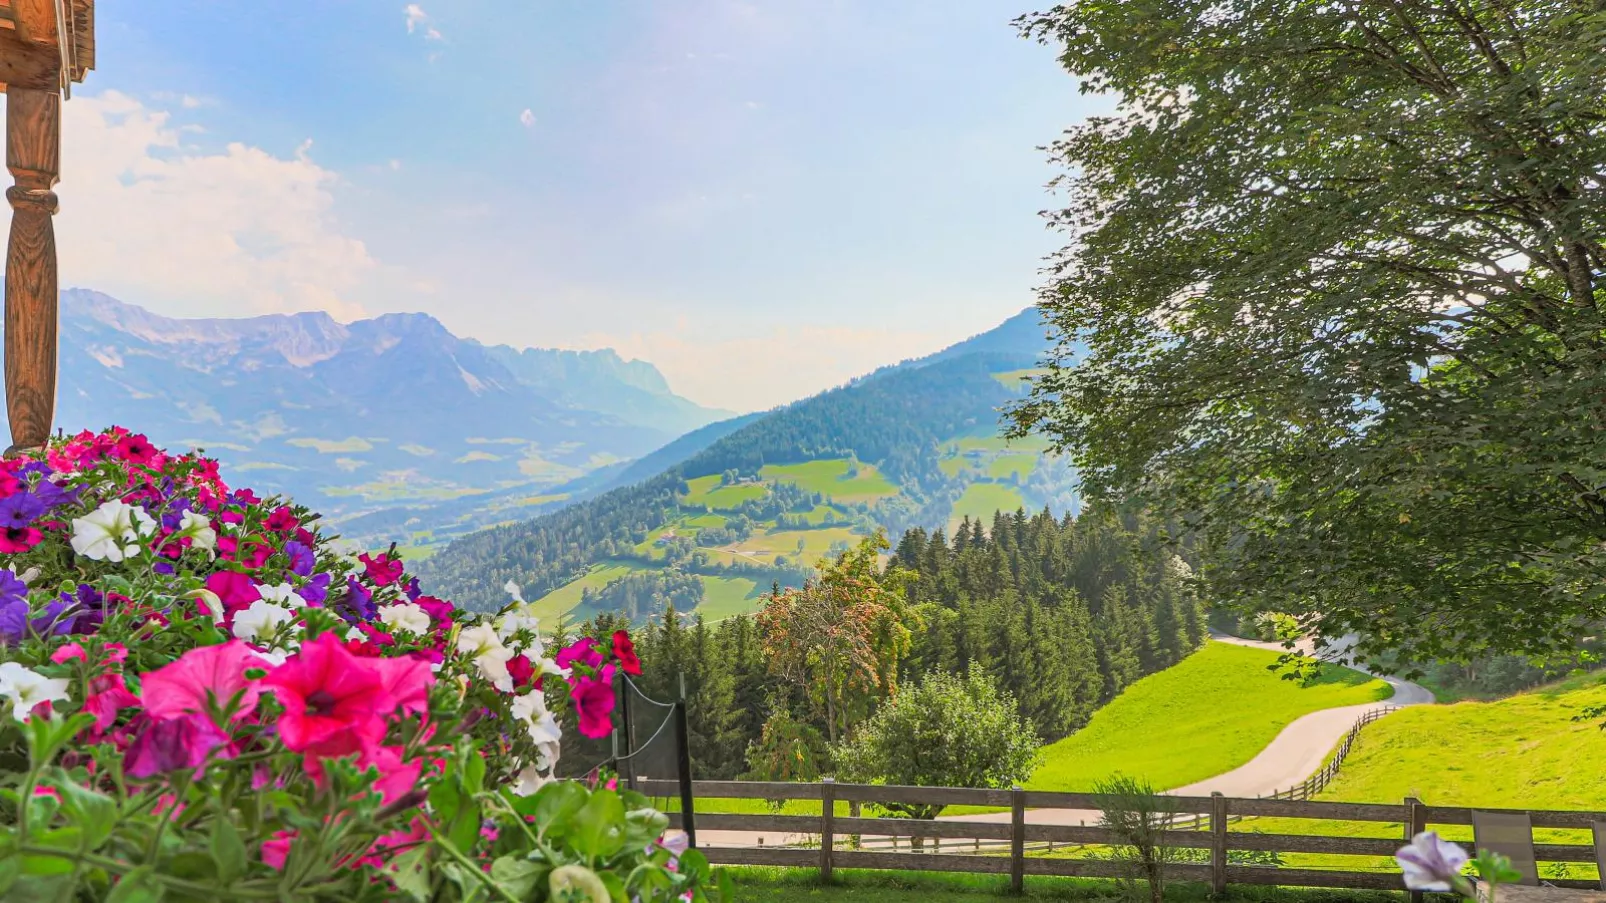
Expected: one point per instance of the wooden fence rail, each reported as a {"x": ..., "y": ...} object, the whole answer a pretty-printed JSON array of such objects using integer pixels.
[{"x": 817, "y": 840}]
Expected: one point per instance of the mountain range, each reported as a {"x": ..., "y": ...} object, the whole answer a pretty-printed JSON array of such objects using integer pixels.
[
  {"x": 712, "y": 520},
  {"x": 355, "y": 418}
]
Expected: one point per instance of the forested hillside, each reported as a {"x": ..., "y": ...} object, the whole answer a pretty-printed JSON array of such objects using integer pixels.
[
  {"x": 1062, "y": 612},
  {"x": 914, "y": 445}
]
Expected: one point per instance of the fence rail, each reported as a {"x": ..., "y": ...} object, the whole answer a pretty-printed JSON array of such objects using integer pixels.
[{"x": 817, "y": 839}]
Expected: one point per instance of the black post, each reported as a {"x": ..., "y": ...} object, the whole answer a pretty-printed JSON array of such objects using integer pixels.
[
  {"x": 688, "y": 819},
  {"x": 630, "y": 731}
]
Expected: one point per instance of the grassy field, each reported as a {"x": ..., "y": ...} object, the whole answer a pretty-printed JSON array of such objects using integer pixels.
[
  {"x": 563, "y": 600},
  {"x": 1209, "y": 714},
  {"x": 727, "y": 596},
  {"x": 1014, "y": 464},
  {"x": 830, "y": 477},
  {"x": 708, "y": 491},
  {"x": 982, "y": 500},
  {"x": 1525, "y": 751},
  {"x": 769, "y": 885},
  {"x": 816, "y": 543}
]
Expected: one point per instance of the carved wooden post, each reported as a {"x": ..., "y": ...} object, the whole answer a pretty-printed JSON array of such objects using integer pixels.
[{"x": 33, "y": 154}]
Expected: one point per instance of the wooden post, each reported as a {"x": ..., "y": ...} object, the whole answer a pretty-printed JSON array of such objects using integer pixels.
[
  {"x": 33, "y": 154},
  {"x": 1017, "y": 841},
  {"x": 1218, "y": 844},
  {"x": 827, "y": 827},
  {"x": 1415, "y": 823}
]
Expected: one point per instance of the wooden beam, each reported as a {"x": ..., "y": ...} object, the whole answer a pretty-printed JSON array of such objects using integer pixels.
[
  {"x": 28, "y": 66},
  {"x": 33, "y": 154},
  {"x": 36, "y": 21}
]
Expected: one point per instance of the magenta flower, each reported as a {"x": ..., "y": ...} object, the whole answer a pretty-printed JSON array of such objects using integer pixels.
[
  {"x": 205, "y": 673},
  {"x": 593, "y": 702},
  {"x": 583, "y": 651},
  {"x": 381, "y": 569},
  {"x": 177, "y": 744}
]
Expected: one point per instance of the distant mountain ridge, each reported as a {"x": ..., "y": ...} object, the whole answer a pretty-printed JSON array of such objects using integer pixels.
[
  {"x": 360, "y": 416},
  {"x": 746, "y": 502}
]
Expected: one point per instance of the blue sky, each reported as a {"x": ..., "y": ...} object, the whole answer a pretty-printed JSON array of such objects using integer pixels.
[{"x": 762, "y": 198}]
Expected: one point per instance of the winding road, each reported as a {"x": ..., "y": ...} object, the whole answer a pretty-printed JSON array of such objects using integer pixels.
[{"x": 1296, "y": 753}]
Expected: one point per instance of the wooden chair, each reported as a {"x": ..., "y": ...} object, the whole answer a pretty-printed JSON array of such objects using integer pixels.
[{"x": 1512, "y": 835}]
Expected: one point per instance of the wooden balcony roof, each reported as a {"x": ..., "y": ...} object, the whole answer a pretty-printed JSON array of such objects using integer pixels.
[{"x": 44, "y": 42}]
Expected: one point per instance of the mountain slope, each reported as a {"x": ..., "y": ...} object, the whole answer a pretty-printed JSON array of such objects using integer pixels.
[
  {"x": 357, "y": 417},
  {"x": 906, "y": 446}
]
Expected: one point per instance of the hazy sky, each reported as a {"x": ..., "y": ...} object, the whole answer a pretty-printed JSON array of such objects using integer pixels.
[{"x": 762, "y": 198}]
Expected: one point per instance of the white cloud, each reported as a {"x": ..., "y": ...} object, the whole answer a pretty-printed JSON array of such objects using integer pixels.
[
  {"x": 415, "y": 17},
  {"x": 527, "y": 118},
  {"x": 757, "y": 372},
  {"x": 146, "y": 217}
]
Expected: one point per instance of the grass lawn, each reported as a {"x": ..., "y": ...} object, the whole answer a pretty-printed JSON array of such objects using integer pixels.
[
  {"x": 774, "y": 885},
  {"x": 727, "y": 596},
  {"x": 708, "y": 491},
  {"x": 563, "y": 600},
  {"x": 982, "y": 500},
  {"x": 1208, "y": 714},
  {"x": 1017, "y": 464},
  {"x": 816, "y": 543},
  {"x": 830, "y": 477}
]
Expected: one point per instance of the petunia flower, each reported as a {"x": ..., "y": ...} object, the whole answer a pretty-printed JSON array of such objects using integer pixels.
[
  {"x": 1431, "y": 863},
  {"x": 334, "y": 702},
  {"x": 276, "y": 849},
  {"x": 381, "y": 569},
  {"x": 135, "y": 449},
  {"x": 260, "y": 620},
  {"x": 594, "y": 701},
  {"x": 108, "y": 694},
  {"x": 301, "y": 558},
  {"x": 188, "y": 684},
  {"x": 404, "y": 616},
  {"x": 69, "y": 652},
  {"x": 624, "y": 652},
  {"x": 282, "y": 520},
  {"x": 583, "y": 651},
  {"x": 20, "y": 510},
  {"x": 197, "y": 528},
  {"x": 13, "y": 620},
  {"x": 111, "y": 532},
  {"x": 235, "y": 589},
  {"x": 29, "y": 689},
  {"x": 538, "y": 721},
  {"x": 528, "y": 781},
  {"x": 16, "y": 540},
  {"x": 481, "y": 644},
  {"x": 178, "y": 744}
]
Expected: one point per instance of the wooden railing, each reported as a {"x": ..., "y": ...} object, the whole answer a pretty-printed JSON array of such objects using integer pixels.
[{"x": 817, "y": 841}]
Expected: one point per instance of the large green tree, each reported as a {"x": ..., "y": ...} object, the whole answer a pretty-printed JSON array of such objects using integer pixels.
[{"x": 1333, "y": 303}]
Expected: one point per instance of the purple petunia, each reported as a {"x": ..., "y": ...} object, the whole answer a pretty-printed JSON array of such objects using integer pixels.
[
  {"x": 315, "y": 590},
  {"x": 20, "y": 510},
  {"x": 13, "y": 619},
  {"x": 54, "y": 496},
  {"x": 301, "y": 558},
  {"x": 175, "y": 513}
]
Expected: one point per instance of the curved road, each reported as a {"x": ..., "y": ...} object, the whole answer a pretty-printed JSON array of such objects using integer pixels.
[{"x": 1294, "y": 755}]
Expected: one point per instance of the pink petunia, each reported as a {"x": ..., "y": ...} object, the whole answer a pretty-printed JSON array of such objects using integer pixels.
[
  {"x": 16, "y": 540},
  {"x": 116, "y": 653},
  {"x": 381, "y": 569},
  {"x": 178, "y": 744},
  {"x": 593, "y": 702},
  {"x": 108, "y": 695},
  {"x": 276, "y": 849},
  {"x": 69, "y": 652},
  {"x": 407, "y": 680},
  {"x": 235, "y": 589},
  {"x": 282, "y": 520},
  {"x": 334, "y": 702},
  {"x": 205, "y": 672},
  {"x": 583, "y": 651}
]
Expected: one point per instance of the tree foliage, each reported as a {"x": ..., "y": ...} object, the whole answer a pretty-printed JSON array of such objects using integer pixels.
[
  {"x": 1338, "y": 271},
  {"x": 944, "y": 731}
]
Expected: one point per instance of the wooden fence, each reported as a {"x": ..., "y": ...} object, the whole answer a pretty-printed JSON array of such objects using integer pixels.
[{"x": 817, "y": 839}]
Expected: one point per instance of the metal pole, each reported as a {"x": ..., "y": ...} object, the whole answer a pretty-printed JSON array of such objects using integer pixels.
[
  {"x": 688, "y": 815},
  {"x": 630, "y": 731}
]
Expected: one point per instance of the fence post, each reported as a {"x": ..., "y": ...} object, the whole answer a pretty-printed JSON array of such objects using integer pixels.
[
  {"x": 827, "y": 827},
  {"x": 1415, "y": 823},
  {"x": 1017, "y": 840},
  {"x": 1218, "y": 844}
]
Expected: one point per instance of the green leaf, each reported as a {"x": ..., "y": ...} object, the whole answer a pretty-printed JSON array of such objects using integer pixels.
[
  {"x": 465, "y": 830},
  {"x": 93, "y": 812},
  {"x": 616, "y": 887},
  {"x": 599, "y": 826},
  {"x": 138, "y": 886},
  {"x": 228, "y": 850},
  {"x": 445, "y": 798},
  {"x": 46, "y": 736},
  {"x": 519, "y": 877},
  {"x": 554, "y": 806},
  {"x": 474, "y": 772},
  {"x": 643, "y": 826},
  {"x": 410, "y": 872},
  {"x": 10, "y": 870}
]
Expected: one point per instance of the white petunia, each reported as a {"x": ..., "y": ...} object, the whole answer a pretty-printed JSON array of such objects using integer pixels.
[
  {"x": 531, "y": 709},
  {"x": 211, "y": 602},
  {"x": 481, "y": 643},
  {"x": 111, "y": 532},
  {"x": 529, "y": 780},
  {"x": 260, "y": 620},
  {"x": 282, "y": 594},
  {"x": 512, "y": 589},
  {"x": 27, "y": 689},
  {"x": 521, "y": 617},
  {"x": 405, "y": 616},
  {"x": 198, "y": 528}
]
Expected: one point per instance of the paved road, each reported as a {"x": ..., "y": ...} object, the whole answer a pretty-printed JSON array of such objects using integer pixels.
[{"x": 1294, "y": 755}]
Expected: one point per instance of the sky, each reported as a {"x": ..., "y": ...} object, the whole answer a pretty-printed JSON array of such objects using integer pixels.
[{"x": 764, "y": 199}]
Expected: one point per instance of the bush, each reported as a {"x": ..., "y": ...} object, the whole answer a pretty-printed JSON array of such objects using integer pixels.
[{"x": 210, "y": 699}]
